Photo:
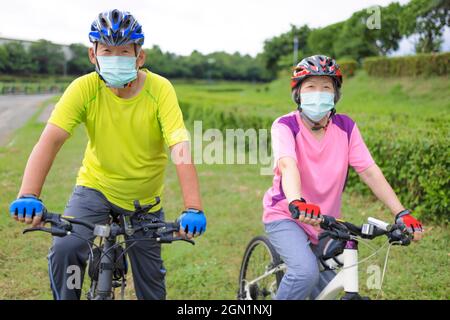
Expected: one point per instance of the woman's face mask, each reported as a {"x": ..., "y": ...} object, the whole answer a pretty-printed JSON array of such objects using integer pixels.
[
  {"x": 117, "y": 71},
  {"x": 316, "y": 105}
]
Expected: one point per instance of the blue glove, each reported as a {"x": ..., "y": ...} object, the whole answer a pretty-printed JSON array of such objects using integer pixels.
[
  {"x": 27, "y": 206},
  {"x": 193, "y": 221}
]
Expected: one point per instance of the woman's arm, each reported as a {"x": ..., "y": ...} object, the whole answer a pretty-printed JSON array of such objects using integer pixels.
[
  {"x": 290, "y": 178},
  {"x": 291, "y": 183},
  {"x": 375, "y": 180}
]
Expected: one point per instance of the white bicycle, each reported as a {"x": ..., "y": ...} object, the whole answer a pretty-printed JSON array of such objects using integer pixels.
[{"x": 262, "y": 268}]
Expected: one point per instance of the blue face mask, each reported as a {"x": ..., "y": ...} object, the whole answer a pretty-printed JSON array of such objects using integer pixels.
[
  {"x": 316, "y": 105},
  {"x": 117, "y": 71}
]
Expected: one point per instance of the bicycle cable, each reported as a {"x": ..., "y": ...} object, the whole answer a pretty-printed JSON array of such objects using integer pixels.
[
  {"x": 89, "y": 242},
  {"x": 366, "y": 243},
  {"x": 385, "y": 267},
  {"x": 366, "y": 258}
]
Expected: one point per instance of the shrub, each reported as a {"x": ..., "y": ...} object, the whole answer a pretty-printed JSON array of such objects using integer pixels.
[
  {"x": 408, "y": 66},
  {"x": 417, "y": 169},
  {"x": 348, "y": 67}
]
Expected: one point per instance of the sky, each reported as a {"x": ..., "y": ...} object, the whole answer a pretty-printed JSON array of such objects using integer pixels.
[{"x": 181, "y": 26}]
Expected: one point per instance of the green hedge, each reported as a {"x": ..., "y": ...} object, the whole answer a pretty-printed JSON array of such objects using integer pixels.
[
  {"x": 408, "y": 66},
  {"x": 417, "y": 168},
  {"x": 348, "y": 67}
]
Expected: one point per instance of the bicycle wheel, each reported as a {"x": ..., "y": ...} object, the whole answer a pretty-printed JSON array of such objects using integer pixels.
[{"x": 260, "y": 261}]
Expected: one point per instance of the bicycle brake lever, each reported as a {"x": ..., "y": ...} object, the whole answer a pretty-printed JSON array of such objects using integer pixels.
[
  {"x": 35, "y": 229},
  {"x": 57, "y": 232},
  {"x": 184, "y": 239}
]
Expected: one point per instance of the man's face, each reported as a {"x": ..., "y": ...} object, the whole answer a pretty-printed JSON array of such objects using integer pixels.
[{"x": 126, "y": 50}]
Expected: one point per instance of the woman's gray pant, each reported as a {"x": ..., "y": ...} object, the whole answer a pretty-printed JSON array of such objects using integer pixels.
[
  {"x": 302, "y": 279},
  {"x": 68, "y": 256}
]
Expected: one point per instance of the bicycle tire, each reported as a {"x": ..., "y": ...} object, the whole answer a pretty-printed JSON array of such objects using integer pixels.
[{"x": 259, "y": 290}]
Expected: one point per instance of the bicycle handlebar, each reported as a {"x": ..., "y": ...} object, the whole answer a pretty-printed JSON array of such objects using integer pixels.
[
  {"x": 343, "y": 230},
  {"x": 62, "y": 225}
]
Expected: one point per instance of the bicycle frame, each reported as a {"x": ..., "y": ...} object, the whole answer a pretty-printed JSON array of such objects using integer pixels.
[
  {"x": 346, "y": 263},
  {"x": 345, "y": 280}
]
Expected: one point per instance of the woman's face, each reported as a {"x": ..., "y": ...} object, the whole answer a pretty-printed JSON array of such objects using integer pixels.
[{"x": 317, "y": 83}]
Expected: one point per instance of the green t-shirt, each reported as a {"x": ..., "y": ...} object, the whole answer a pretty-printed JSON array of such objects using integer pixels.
[{"x": 125, "y": 157}]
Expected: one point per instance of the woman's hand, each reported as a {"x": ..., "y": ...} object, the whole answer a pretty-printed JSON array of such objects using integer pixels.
[
  {"x": 413, "y": 225},
  {"x": 305, "y": 212}
]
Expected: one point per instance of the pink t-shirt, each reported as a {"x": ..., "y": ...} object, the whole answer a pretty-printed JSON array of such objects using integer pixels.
[{"x": 323, "y": 165}]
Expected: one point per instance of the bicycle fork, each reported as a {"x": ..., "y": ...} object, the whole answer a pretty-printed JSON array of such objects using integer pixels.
[{"x": 105, "y": 273}]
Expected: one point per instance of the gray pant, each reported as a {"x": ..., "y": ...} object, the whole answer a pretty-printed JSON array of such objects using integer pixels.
[
  {"x": 145, "y": 256},
  {"x": 302, "y": 279}
]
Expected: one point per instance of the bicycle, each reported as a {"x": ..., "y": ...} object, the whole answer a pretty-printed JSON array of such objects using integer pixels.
[
  {"x": 108, "y": 264},
  {"x": 262, "y": 268}
]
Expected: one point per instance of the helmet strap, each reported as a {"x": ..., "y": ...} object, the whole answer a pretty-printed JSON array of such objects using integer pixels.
[{"x": 316, "y": 126}]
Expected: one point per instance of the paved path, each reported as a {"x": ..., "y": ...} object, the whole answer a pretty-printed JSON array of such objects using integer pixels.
[
  {"x": 45, "y": 114},
  {"x": 15, "y": 110}
]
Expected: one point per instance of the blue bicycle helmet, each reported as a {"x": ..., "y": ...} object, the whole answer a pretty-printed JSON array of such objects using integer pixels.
[{"x": 116, "y": 28}]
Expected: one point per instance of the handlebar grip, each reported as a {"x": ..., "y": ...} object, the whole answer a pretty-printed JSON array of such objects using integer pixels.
[
  {"x": 327, "y": 221},
  {"x": 47, "y": 216},
  {"x": 170, "y": 239},
  {"x": 399, "y": 235},
  {"x": 164, "y": 239}
]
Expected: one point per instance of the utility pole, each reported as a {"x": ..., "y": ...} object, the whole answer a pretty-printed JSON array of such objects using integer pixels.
[{"x": 295, "y": 50}]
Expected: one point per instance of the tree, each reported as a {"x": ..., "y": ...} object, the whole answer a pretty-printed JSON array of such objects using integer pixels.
[
  {"x": 355, "y": 40},
  {"x": 387, "y": 38},
  {"x": 161, "y": 62},
  {"x": 322, "y": 40},
  {"x": 48, "y": 57},
  {"x": 18, "y": 60},
  {"x": 79, "y": 63},
  {"x": 427, "y": 19},
  {"x": 283, "y": 45},
  {"x": 3, "y": 59}
]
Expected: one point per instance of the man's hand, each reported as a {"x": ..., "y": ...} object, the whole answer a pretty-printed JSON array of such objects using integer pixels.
[
  {"x": 192, "y": 223},
  {"x": 305, "y": 212},
  {"x": 413, "y": 226},
  {"x": 28, "y": 209}
]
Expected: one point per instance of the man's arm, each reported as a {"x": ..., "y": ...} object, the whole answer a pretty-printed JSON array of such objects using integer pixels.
[
  {"x": 192, "y": 218},
  {"x": 187, "y": 175},
  {"x": 40, "y": 162}
]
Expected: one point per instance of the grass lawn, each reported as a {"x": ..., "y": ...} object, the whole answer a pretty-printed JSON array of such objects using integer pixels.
[
  {"x": 232, "y": 199},
  {"x": 394, "y": 106}
]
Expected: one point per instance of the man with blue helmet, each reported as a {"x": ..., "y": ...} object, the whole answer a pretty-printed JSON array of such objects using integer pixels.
[{"x": 130, "y": 114}]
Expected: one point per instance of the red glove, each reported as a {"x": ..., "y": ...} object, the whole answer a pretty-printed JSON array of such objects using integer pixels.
[
  {"x": 300, "y": 207},
  {"x": 404, "y": 217}
]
